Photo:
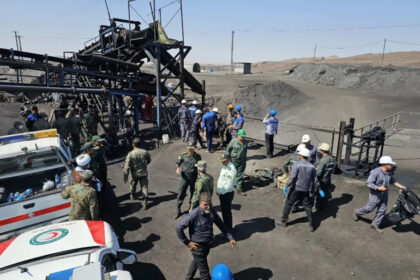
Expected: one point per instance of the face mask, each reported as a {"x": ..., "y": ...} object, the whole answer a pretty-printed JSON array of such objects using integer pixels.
[
  {"x": 20, "y": 127},
  {"x": 207, "y": 212}
]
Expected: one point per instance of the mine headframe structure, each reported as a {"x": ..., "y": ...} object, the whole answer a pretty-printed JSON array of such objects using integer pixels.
[{"x": 109, "y": 70}]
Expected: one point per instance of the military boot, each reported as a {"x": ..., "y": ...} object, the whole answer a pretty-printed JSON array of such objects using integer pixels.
[{"x": 178, "y": 213}]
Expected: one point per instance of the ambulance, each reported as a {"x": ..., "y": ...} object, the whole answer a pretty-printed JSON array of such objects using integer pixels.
[
  {"x": 34, "y": 168},
  {"x": 72, "y": 250}
]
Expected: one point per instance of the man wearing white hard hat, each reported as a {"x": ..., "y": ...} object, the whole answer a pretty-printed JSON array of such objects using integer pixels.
[
  {"x": 193, "y": 108},
  {"x": 300, "y": 187},
  {"x": 324, "y": 169},
  {"x": 196, "y": 129},
  {"x": 306, "y": 139},
  {"x": 184, "y": 120},
  {"x": 380, "y": 179},
  {"x": 292, "y": 159}
]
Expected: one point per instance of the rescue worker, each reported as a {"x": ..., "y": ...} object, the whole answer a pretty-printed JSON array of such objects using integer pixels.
[
  {"x": 16, "y": 129},
  {"x": 237, "y": 124},
  {"x": 209, "y": 125},
  {"x": 300, "y": 187},
  {"x": 239, "y": 110},
  {"x": 196, "y": 129},
  {"x": 41, "y": 123},
  {"x": 292, "y": 159},
  {"x": 230, "y": 119},
  {"x": 74, "y": 128},
  {"x": 84, "y": 203},
  {"x": 184, "y": 120},
  {"x": 324, "y": 170},
  {"x": 306, "y": 139},
  {"x": 238, "y": 149},
  {"x": 221, "y": 130},
  {"x": 32, "y": 118},
  {"x": 193, "y": 108},
  {"x": 226, "y": 187},
  {"x": 186, "y": 169},
  {"x": 204, "y": 184},
  {"x": 78, "y": 112},
  {"x": 200, "y": 224},
  {"x": 136, "y": 164},
  {"x": 380, "y": 179},
  {"x": 91, "y": 123},
  {"x": 272, "y": 125}
]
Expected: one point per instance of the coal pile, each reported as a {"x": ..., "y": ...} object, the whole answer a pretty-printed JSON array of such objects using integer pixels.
[
  {"x": 388, "y": 80},
  {"x": 258, "y": 99}
]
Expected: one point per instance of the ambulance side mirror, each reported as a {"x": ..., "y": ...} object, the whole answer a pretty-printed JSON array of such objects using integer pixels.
[{"x": 126, "y": 256}]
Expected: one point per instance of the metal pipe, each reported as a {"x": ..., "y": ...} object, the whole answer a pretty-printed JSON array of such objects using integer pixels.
[{"x": 17, "y": 88}]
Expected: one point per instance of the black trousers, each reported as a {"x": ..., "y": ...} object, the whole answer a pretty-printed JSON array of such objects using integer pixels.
[
  {"x": 226, "y": 208},
  {"x": 294, "y": 197},
  {"x": 186, "y": 183},
  {"x": 199, "y": 262},
  {"x": 196, "y": 137},
  {"x": 269, "y": 144}
]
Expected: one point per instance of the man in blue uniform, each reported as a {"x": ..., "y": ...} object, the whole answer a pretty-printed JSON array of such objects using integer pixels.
[
  {"x": 209, "y": 123},
  {"x": 380, "y": 179},
  {"x": 272, "y": 125}
]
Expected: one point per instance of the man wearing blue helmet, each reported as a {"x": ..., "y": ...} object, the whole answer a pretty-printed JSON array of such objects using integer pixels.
[{"x": 272, "y": 125}]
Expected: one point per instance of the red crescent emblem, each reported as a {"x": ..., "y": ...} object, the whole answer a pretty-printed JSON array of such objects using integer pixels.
[{"x": 53, "y": 235}]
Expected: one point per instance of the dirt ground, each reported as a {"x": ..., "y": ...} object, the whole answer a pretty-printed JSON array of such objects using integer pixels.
[{"x": 339, "y": 249}]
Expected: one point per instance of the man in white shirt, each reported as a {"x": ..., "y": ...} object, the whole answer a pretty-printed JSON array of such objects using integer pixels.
[{"x": 226, "y": 187}]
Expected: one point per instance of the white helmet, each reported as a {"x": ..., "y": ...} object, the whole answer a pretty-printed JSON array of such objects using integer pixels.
[
  {"x": 386, "y": 160},
  {"x": 195, "y": 102},
  {"x": 306, "y": 138},
  {"x": 324, "y": 147},
  {"x": 304, "y": 152},
  {"x": 184, "y": 101},
  {"x": 128, "y": 113},
  {"x": 83, "y": 160},
  {"x": 198, "y": 111},
  {"x": 299, "y": 148},
  {"x": 215, "y": 110}
]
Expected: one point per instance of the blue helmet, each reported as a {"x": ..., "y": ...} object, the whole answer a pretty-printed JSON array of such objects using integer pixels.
[
  {"x": 221, "y": 272},
  {"x": 238, "y": 107},
  {"x": 273, "y": 112}
]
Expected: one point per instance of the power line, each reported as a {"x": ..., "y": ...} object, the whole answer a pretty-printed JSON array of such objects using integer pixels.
[
  {"x": 351, "y": 47},
  {"x": 177, "y": 11},
  {"x": 346, "y": 28},
  {"x": 165, "y": 6},
  {"x": 404, "y": 43},
  {"x": 142, "y": 18},
  {"x": 61, "y": 16}
]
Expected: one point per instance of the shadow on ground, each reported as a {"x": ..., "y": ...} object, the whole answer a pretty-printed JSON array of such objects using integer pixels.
[
  {"x": 254, "y": 273},
  {"x": 331, "y": 209},
  {"x": 145, "y": 271},
  {"x": 142, "y": 246}
]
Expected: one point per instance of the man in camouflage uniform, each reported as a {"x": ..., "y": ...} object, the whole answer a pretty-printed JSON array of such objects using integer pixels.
[
  {"x": 136, "y": 164},
  {"x": 84, "y": 204},
  {"x": 91, "y": 123},
  {"x": 204, "y": 184},
  {"x": 324, "y": 170},
  {"x": 74, "y": 127},
  {"x": 186, "y": 168},
  {"x": 238, "y": 149},
  {"x": 100, "y": 169},
  {"x": 42, "y": 123}
]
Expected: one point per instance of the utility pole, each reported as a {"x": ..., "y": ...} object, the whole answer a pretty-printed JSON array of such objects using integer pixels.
[
  {"x": 182, "y": 20},
  {"x": 313, "y": 60},
  {"x": 231, "y": 53},
  {"x": 109, "y": 15},
  {"x": 383, "y": 51},
  {"x": 129, "y": 22},
  {"x": 20, "y": 43},
  {"x": 16, "y": 38}
]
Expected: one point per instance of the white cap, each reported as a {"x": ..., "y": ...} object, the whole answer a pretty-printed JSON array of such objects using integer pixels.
[
  {"x": 195, "y": 102},
  {"x": 215, "y": 110},
  {"x": 198, "y": 111},
  {"x": 304, "y": 152},
  {"x": 184, "y": 101},
  {"x": 386, "y": 160},
  {"x": 300, "y": 147},
  {"x": 128, "y": 113},
  {"x": 324, "y": 147},
  {"x": 306, "y": 138},
  {"x": 83, "y": 160}
]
